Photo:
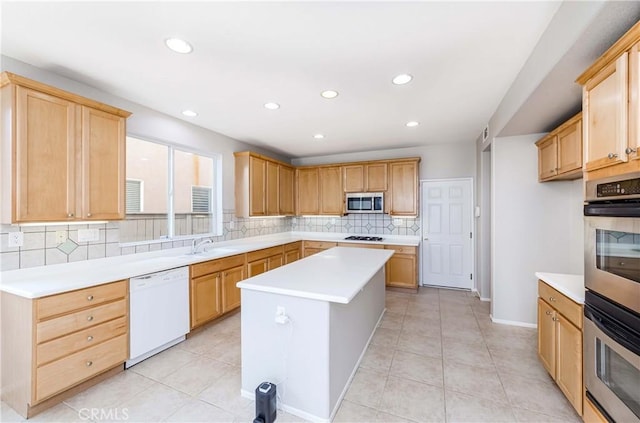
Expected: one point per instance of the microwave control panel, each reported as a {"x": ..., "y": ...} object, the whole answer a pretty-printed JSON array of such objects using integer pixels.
[{"x": 615, "y": 189}]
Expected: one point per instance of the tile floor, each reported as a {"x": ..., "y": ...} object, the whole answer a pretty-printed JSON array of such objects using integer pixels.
[{"x": 435, "y": 357}]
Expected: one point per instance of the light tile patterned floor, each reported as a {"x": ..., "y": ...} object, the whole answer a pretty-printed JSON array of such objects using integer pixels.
[{"x": 435, "y": 357}]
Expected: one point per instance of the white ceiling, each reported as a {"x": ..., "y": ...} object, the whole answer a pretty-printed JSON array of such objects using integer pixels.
[{"x": 463, "y": 56}]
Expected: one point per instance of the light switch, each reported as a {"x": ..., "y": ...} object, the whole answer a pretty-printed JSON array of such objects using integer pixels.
[
  {"x": 86, "y": 235},
  {"x": 232, "y": 224}
]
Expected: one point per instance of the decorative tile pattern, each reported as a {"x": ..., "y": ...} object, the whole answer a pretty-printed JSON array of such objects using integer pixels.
[{"x": 68, "y": 247}]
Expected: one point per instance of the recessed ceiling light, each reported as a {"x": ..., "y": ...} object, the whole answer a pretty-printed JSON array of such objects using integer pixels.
[
  {"x": 412, "y": 124},
  {"x": 178, "y": 45},
  {"x": 329, "y": 94},
  {"x": 189, "y": 113},
  {"x": 318, "y": 136},
  {"x": 402, "y": 79},
  {"x": 271, "y": 106}
]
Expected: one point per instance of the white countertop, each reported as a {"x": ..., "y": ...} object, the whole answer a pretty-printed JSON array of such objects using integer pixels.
[
  {"x": 570, "y": 285},
  {"x": 334, "y": 275},
  {"x": 41, "y": 281}
]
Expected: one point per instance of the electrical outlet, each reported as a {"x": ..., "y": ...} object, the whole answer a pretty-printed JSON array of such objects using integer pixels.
[
  {"x": 61, "y": 236},
  {"x": 86, "y": 235},
  {"x": 232, "y": 224},
  {"x": 16, "y": 239},
  {"x": 397, "y": 222},
  {"x": 333, "y": 220},
  {"x": 280, "y": 311}
]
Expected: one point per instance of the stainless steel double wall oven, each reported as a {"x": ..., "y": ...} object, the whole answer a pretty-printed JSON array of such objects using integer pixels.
[{"x": 612, "y": 300}]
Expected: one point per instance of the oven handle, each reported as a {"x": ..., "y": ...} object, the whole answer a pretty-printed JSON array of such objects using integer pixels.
[{"x": 612, "y": 329}]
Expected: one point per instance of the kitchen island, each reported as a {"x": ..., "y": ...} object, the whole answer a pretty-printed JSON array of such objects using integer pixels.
[{"x": 306, "y": 326}]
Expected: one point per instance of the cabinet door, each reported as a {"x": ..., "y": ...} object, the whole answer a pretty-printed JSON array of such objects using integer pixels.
[
  {"x": 331, "y": 194},
  {"x": 45, "y": 168},
  {"x": 569, "y": 361},
  {"x": 548, "y": 158},
  {"x": 311, "y": 251},
  {"x": 275, "y": 261},
  {"x": 291, "y": 256},
  {"x": 257, "y": 186},
  {"x": 404, "y": 189},
  {"x": 376, "y": 177},
  {"x": 257, "y": 267},
  {"x": 286, "y": 188},
  {"x": 634, "y": 103},
  {"x": 353, "y": 178},
  {"x": 401, "y": 271},
  {"x": 604, "y": 110},
  {"x": 103, "y": 165},
  {"x": 570, "y": 148},
  {"x": 273, "y": 206},
  {"x": 308, "y": 191},
  {"x": 205, "y": 299},
  {"x": 230, "y": 292},
  {"x": 547, "y": 337}
]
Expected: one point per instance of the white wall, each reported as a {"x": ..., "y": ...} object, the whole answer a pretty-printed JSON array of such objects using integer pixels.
[
  {"x": 536, "y": 227},
  {"x": 149, "y": 124}
]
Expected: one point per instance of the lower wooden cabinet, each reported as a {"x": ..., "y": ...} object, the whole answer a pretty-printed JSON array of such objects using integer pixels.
[
  {"x": 310, "y": 248},
  {"x": 401, "y": 269},
  {"x": 591, "y": 413},
  {"x": 292, "y": 252},
  {"x": 213, "y": 290},
  {"x": 261, "y": 261},
  {"x": 560, "y": 341},
  {"x": 55, "y": 343}
]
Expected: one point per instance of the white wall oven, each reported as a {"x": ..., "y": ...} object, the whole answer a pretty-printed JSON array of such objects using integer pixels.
[{"x": 612, "y": 300}]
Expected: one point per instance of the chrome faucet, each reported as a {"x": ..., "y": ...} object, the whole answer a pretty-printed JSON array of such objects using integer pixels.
[{"x": 195, "y": 245}]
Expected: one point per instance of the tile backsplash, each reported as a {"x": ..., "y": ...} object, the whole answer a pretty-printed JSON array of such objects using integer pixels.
[{"x": 42, "y": 246}]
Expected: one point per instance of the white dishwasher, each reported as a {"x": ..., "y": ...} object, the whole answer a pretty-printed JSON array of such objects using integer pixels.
[{"x": 158, "y": 312}]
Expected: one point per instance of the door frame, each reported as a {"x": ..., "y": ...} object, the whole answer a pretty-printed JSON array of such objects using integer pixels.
[{"x": 472, "y": 216}]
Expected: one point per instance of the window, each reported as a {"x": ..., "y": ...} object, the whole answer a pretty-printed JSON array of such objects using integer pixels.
[
  {"x": 134, "y": 196},
  {"x": 171, "y": 193}
]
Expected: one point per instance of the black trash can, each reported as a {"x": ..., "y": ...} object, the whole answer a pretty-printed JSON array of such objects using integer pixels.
[{"x": 266, "y": 406}]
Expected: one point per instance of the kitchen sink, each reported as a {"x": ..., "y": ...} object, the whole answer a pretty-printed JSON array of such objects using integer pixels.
[{"x": 215, "y": 251}]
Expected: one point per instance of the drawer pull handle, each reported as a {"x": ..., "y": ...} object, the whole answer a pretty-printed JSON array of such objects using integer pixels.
[
  {"x": 548, "y": 313},
  {"x": 89, "y": 363},
  {"x": 551, "y": 299},
  {"x": 89, "y": 338},
  {"x": 89, "y": 297},
  {"x": 89, "y": 318}
]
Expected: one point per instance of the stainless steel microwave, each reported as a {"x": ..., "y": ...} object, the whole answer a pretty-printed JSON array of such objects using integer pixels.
[{"x": 364, "y": 202}]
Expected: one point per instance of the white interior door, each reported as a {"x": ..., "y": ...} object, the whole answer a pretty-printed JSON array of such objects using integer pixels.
[{"x": 447, "y": 237}]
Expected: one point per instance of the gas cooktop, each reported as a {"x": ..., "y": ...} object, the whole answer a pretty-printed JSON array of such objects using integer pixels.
[{"x": 363, "y": 238}]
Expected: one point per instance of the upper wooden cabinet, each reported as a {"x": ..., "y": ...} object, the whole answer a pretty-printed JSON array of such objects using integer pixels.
[
  {"x": 560, "y": 152},
  {"x": 308, "y": 183},
  {"x": 331, "y": 193},
  {"x": 62, "y": 157},
  {"x": 611, "y": 113},
  {"x": 402, "y": 198},
  {"x": 263, "y": 186},
  {"x": 371, "y": 177}
]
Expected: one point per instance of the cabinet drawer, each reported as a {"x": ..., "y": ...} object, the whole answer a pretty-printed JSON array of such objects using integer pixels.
[
  {"x": 218, "y": 265},
  {"x": 569, "y": 309},
  {"x": 264, "y": 253},
  {"x": 360, "y": 245},
  {"x": 66, "y": 372},
  {"x": 83, "y": 319},
  {"x": 77, "y": 341},
  {"x": 402, "y": 249},
  {"x": 76, "y": 300},
  {"x": 319, "y": 244},
  {"x": 293, "y": 246}
]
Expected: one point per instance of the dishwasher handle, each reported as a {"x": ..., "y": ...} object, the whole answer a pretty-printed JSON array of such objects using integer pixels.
[{"x": 139, "y": 283}]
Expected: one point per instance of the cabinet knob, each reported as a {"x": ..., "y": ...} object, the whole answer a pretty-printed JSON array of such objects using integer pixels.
[
  {"x": 612, "y": 155},
  {"x": 552, "y": 299},
  {"x": 555, "y": 319},
  {"x": 630, "y": 150},
  {"x": 548, "y": 313},
  {"x": 89, "y": 363},
  {"x": 69, "y": 214},
  {"x": 89, "y": 318},
  {"x": 89, "y": 338},
  {"x": 88, "y": 214},
  {"x": 89, "y": 297}
]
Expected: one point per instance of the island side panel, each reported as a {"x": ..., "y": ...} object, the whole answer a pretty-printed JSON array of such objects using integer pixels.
[
  {"x": 295, "y": 355},
  {"x": 351, "y": 328}
]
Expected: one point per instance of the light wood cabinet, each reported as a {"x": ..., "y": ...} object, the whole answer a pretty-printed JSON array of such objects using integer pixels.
[
  {"x": 370, "y": 177},
  {"x": 308, "y": 189},
  {"x": 292, "y": 252},
  {"x": 610, "y": 109},
  {"x": 69, "y": 155},
  {"x": 401, "y": 269},
  {"x": 402, "y": 198},
  {"x": 312, "y": 247},
  {"x": 261, "y": 261},
  {"x": 61, "y": 341},
  {"x": 331, "y": 193},
  {"x": 560, "y": 152},
  {"x": 591, "y": 413},
  {"x": 286, "y": 190},
  {"x": 212, "y": 291},
  {"x": 273, "y": 189},
  {"x": 560, "y": 341}
]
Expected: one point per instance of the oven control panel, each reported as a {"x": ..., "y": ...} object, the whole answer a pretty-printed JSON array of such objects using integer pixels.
[{"x": 618, "y": 188}]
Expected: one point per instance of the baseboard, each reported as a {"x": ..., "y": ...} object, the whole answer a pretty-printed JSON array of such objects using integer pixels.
[{"x": 514, "y": 323}]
